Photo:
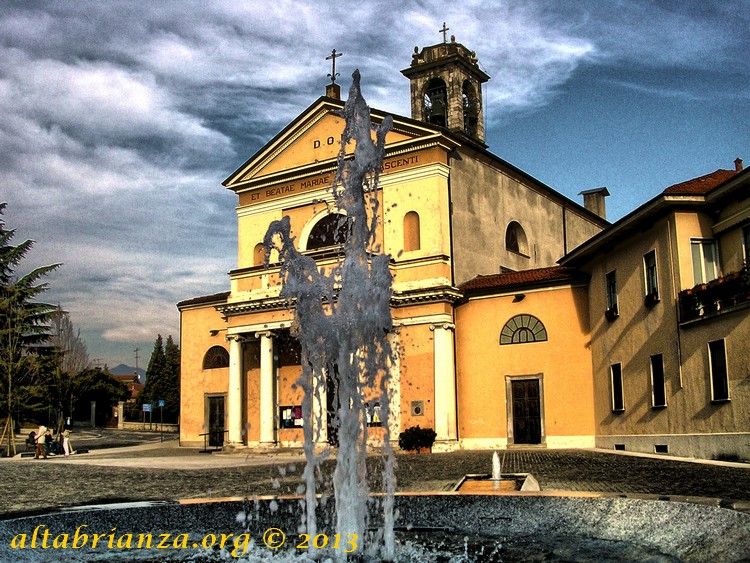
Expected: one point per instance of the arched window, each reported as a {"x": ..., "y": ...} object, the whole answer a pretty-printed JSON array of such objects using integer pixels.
[
  {"x": 521, "y": 329},
  {"x": 436, "y": 103},
  {"x": 216, "y": 357},
  {"x": 259, "y": 254},
  {"x": 471, "y": 109},
  {"x": 329, "y": 231},
  {"x": 412, "y": 239},
  {"x": 515, "y": 239}
]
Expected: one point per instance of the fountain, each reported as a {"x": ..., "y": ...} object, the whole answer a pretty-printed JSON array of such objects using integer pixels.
[
  {"x": 497, "y": 480},
  {"x": 343, "y": 320}
]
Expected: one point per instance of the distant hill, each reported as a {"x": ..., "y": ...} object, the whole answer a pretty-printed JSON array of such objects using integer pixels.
[{"x": 122, "y": 369}]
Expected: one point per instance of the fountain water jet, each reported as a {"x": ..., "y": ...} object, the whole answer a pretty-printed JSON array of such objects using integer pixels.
[
  {"x": 497, "y": 466},
  {"x": 342, "y": 320}
]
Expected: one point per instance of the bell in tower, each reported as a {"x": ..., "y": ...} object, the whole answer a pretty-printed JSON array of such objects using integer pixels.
[{"x": 446, "y": 88}]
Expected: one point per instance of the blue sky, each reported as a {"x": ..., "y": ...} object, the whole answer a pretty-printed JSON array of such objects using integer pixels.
[{"x": 119, "y": 120}]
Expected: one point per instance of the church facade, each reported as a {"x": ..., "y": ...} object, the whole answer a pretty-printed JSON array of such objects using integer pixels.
[{"x": 500, "y": 341}]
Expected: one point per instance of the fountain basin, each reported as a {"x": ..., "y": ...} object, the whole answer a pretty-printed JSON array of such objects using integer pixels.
[
  {"x": 477, "y": 483},
  {"x": 430, "y": 527}
]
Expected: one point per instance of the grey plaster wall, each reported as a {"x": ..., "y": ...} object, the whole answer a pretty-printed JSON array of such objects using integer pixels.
[{"x": 485, "y": 199}]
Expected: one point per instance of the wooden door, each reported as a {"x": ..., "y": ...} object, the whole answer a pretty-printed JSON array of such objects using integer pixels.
[
  {"x": 527, "y": 417},
  {"x": 216, "y": 421}
]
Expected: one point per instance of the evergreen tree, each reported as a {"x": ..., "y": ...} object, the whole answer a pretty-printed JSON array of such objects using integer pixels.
[
  {"x": 163, "y": 379},
  {"x": 154, "y": 373},
  {"x": 171, "y": 387},
  {"x": 99, "y": 385},
  {"x": 23, "y": 321}
]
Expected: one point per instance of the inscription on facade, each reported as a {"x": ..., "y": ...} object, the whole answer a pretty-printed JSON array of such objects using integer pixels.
[
  {"x": 399, "y": 162},
  {"x": 317, "y": 143},
  {"x": 318, "y": 182}
]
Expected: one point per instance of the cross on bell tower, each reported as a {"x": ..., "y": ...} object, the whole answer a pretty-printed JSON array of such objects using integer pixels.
[
  {"x": 444, "y": 30},
  {"x": 446, "y": 87}
]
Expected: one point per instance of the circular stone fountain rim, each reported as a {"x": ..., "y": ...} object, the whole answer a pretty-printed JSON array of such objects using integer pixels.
[{"x": 708, "y": 502}]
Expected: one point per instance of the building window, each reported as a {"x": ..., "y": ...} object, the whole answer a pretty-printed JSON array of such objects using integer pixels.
[
  {"x": 216, "y": 357},
  {"x": 705, "y": 260},
  {"x": 515, "y": 239},
  {"x": 611, "y": 284},
  {"x": 411, "y": 231},
  {"x": 717, "y": 356},
  {"x": 618, "y": 400},
  {"x": 329, "y": 231},
  {"x": 521, "y": 329},
  {"x": 649, "y": 270},
  {"x": 658, "y": 390},
  {"x": 746, "y": 245},
  {"x": 259, "y": 254}
]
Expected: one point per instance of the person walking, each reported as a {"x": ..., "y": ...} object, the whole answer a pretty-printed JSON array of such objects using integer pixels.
[{"x": 40, "y": 451}]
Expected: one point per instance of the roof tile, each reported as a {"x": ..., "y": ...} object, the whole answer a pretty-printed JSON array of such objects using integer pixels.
[
  {"x": 509, "y": 279},
  {"x": 700, "y": 185}
]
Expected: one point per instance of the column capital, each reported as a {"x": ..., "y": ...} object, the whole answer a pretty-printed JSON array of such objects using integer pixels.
[
  {"x": 444, "y": 326},
  {"x": 266, "y": 333},
  {"x": 235, "y": 338}
]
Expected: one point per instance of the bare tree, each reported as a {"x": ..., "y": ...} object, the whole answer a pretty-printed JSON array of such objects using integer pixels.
[
  {"x": 67, "y": 343},
  {"x": 64, "y": 380}
]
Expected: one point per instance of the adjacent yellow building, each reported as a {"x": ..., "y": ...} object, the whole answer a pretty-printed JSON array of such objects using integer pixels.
[
  {"x": 669, "y": 299},
  {"x": 499, "y": 345}
]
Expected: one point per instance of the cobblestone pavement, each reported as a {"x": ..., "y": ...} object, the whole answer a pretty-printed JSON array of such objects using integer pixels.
[{"x": 160, "y": 473}]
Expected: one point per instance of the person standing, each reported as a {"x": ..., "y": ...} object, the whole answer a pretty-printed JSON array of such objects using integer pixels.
[
  {"x": 40, "y": 443},
  {"x": 66, "y": 441}
]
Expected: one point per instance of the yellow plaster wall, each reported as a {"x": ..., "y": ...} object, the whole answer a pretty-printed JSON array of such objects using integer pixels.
[
  {"x": 428, "y": 197},
  {"x": 639, "y": 332},
  {"x": 317, "y": 143},
  {"x": 195, "y": 382},
  {"x": 250, "y": 230},
  {"x": 417, "y": 375},
  {"x": 689, "y": 225},
  {"x": 564, "y": 360},
  {"x": 699, "y": 414}
]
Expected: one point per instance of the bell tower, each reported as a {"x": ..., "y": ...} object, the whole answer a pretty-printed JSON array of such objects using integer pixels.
[{"x": 446, "y": 87}]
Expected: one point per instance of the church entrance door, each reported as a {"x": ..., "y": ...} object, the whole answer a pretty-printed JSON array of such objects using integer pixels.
[
  {"x": 527, "y": 420},
  {"x": 216, "y": 421}
]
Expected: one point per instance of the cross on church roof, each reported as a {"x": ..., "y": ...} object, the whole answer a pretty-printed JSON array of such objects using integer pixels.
[
  {"x": 332, "y": 57},
  {"x": 444, "y": 31}
]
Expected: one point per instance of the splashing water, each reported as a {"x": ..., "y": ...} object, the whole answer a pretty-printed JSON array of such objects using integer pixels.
[
  {"x": 343, "y": 319},
  {"x": 497, "y": 467}
]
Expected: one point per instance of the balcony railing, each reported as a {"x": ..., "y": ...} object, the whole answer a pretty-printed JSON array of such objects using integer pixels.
[{"x": 717, "y": 295}]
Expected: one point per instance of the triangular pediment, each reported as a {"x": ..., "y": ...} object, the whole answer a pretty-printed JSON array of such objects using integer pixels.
[{"x": 312, "y": 140}]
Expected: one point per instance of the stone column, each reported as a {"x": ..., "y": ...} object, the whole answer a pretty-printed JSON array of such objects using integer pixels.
[
  {"x": 93, "y": 414},
  {"x": 267, "y": 391},
  {"x": 234, "y": 393},
  {"x": 121, "y": 415},
  {"x": 445, "y": 382}
]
